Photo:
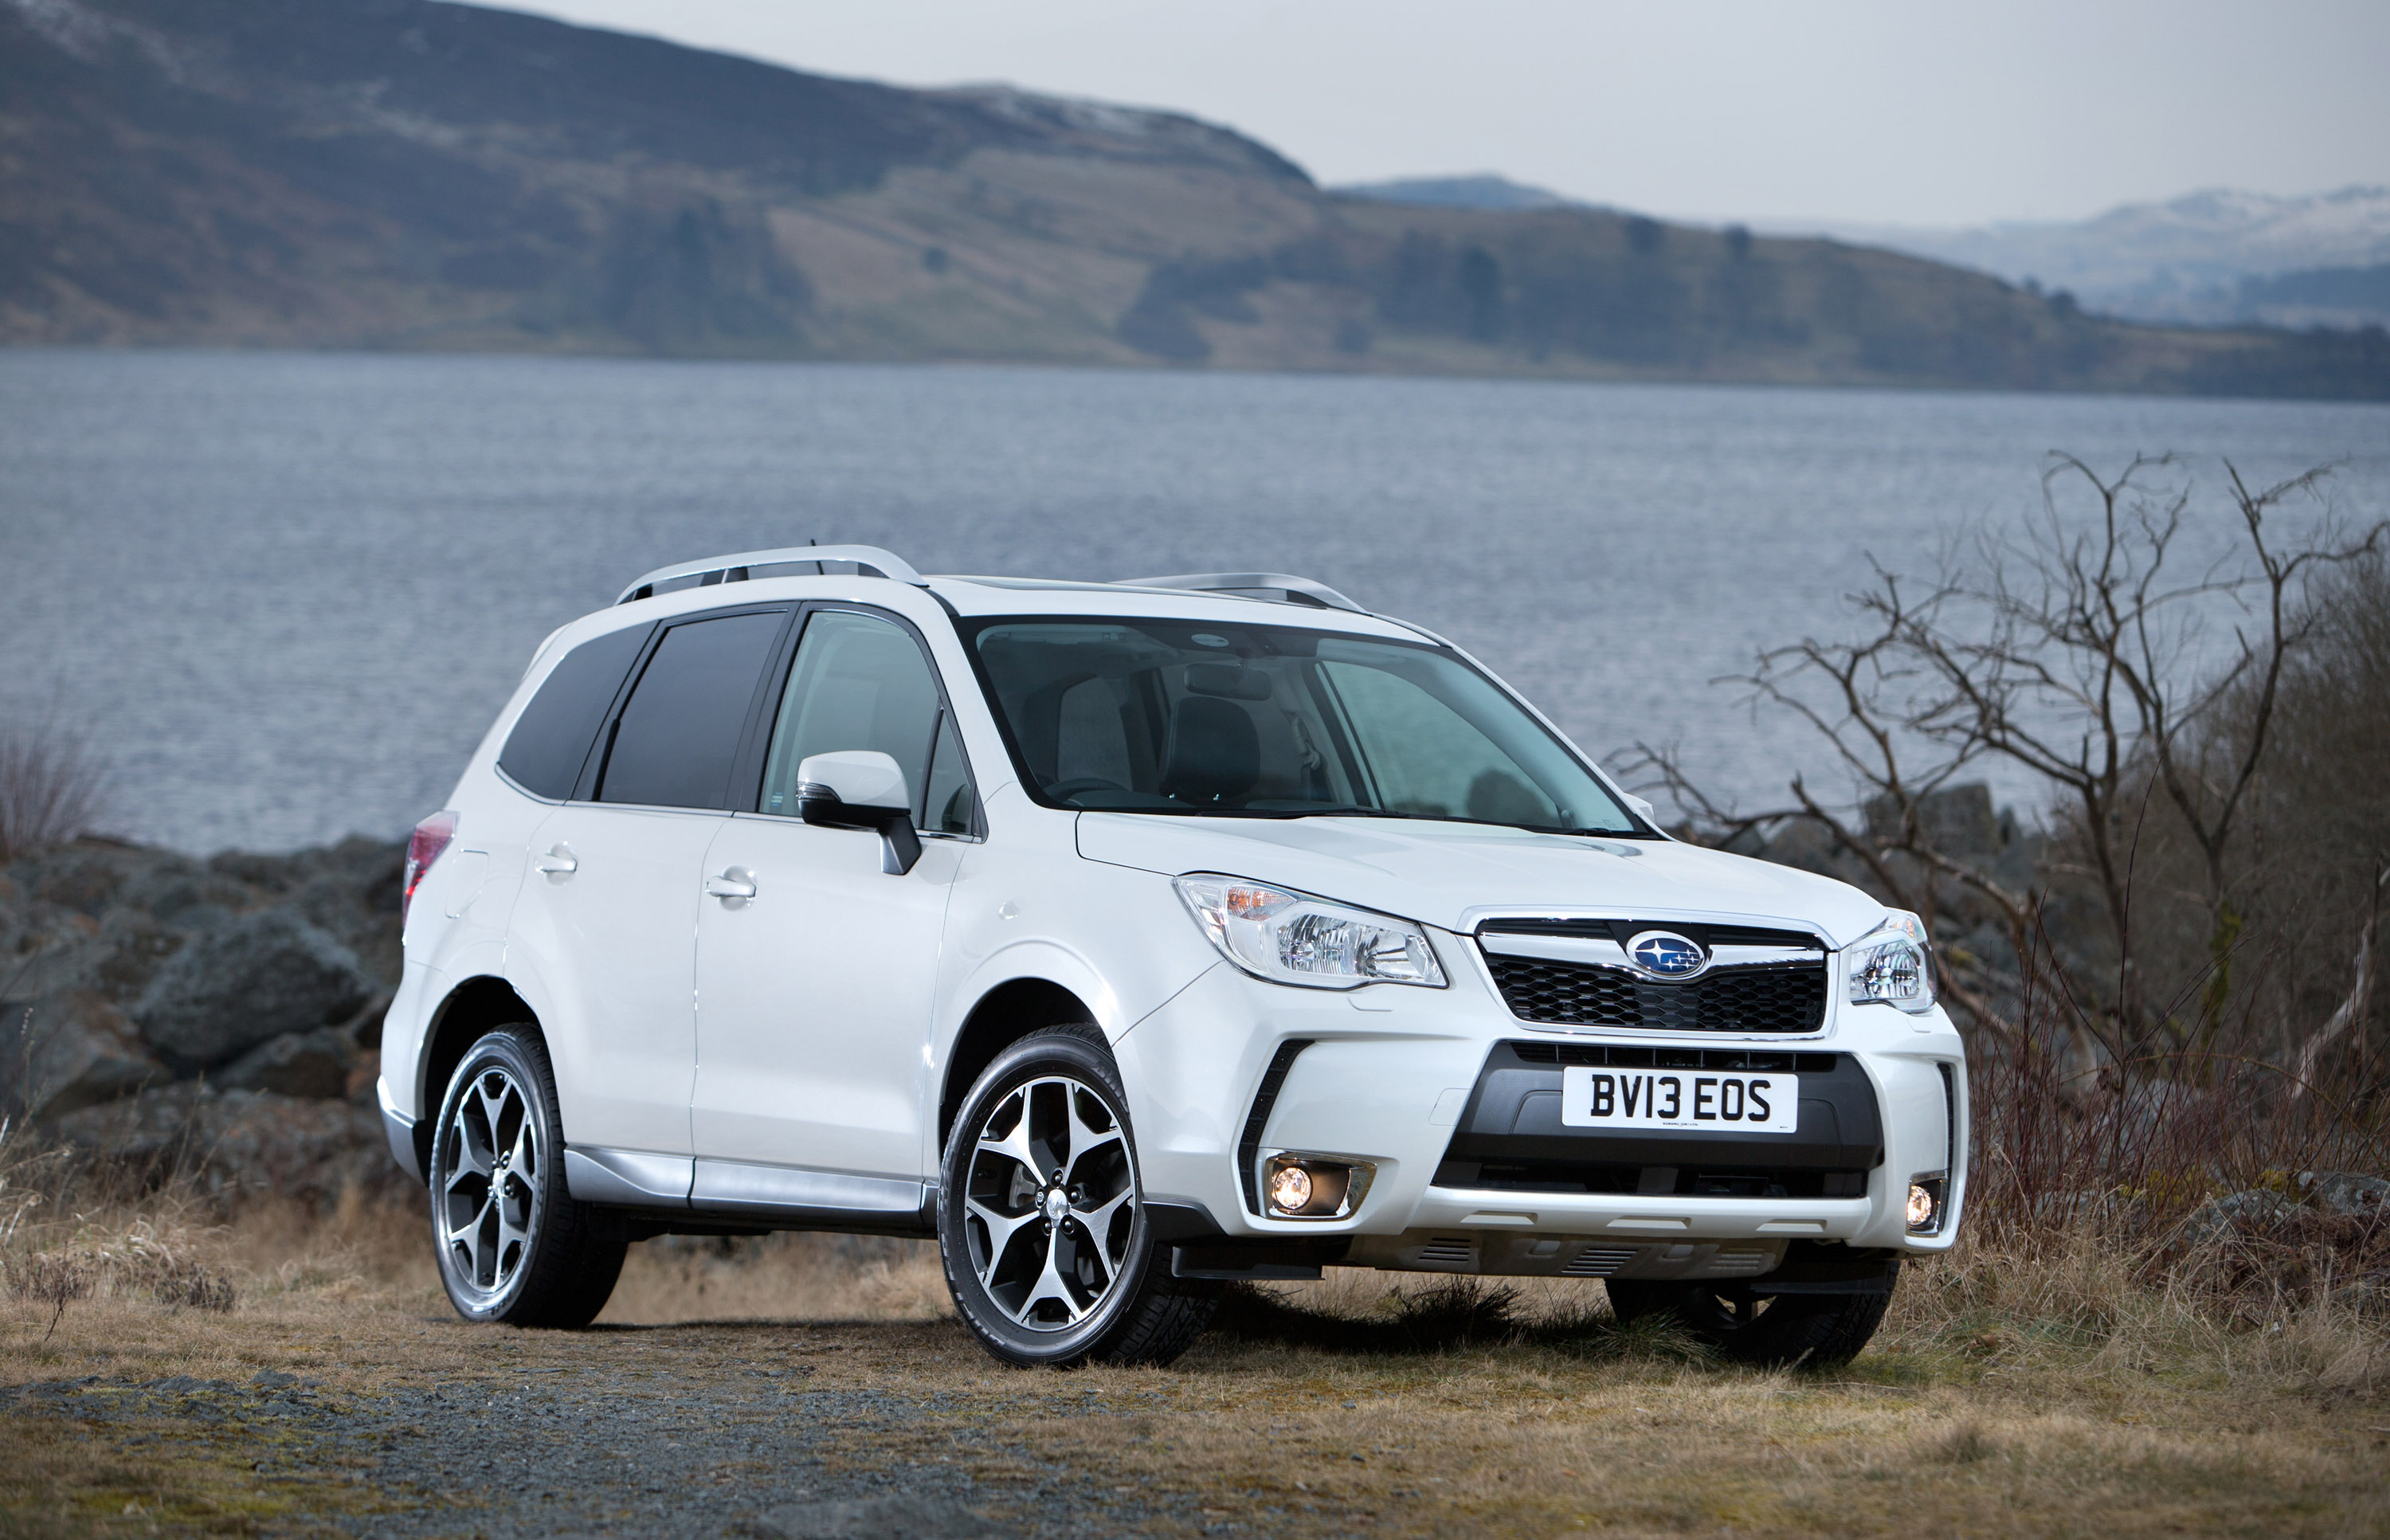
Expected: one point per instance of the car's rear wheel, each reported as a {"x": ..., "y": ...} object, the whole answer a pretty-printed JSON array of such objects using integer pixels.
[
  {"x": 1041, "y": 1217},
  {"x": 513, "y": 1246},
  {"x": 1814, "y": 1330}
]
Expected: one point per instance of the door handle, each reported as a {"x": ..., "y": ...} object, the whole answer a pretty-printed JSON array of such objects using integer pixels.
[
  {"x": 737, "y": 882},
  {"x": 558, "y": 862}
]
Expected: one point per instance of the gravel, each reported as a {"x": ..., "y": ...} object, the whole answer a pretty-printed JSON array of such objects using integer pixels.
[{"x": 753, "y": 1452}]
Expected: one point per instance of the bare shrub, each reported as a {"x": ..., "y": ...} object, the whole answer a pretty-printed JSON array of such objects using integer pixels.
[
  {"x": 2167, "y": 979},
  {"x": 52, "y": 788}
]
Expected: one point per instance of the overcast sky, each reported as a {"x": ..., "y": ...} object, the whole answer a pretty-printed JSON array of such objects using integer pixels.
[{"x": 1919, "y": 112}]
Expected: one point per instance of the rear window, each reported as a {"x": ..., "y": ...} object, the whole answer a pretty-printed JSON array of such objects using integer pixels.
[
  {"x": 551, "y": 739},
  {"x": 679, "y": 731}
]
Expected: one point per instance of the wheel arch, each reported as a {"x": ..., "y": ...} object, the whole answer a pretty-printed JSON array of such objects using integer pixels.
[
  {"x": 1003, "y": 1016},
  {"x": 470, "y": 1012}
]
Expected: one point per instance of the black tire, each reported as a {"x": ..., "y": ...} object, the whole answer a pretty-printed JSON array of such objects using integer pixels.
[
  {"x": 1810, "y": 1330},
  {"x": 512, "y": 1243},
  {"x": 1134, "y": 1312}
]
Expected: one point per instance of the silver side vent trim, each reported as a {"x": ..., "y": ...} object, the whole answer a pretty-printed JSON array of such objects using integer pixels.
[
  {"x": 1457, "y": 1252},
  {"x": 1600, "y": 1262}
]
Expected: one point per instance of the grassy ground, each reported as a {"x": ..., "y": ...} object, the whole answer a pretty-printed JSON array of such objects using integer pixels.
[{"x": 2000, "y": 1398}]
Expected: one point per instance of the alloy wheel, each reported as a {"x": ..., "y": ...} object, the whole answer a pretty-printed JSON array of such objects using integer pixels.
[
  {"x": 489, "y": 1203},
  {"x": 1050, "y": 1202}
]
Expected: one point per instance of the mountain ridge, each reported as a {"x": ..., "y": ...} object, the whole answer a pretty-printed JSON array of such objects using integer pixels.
[
  {"x": 398, "y": 174},
  {"x": 2182, "y": 260}
]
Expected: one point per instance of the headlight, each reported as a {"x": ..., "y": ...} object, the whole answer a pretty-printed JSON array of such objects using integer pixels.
[
  {"x": 1294, "y": 938},
  {"x": 1888, "y": 966}
]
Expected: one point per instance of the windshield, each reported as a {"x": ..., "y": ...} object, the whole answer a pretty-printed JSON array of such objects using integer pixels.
[{"x": 1262, "y": 721}]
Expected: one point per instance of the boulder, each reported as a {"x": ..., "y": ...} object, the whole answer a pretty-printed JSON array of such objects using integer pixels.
[
  {"x": 239, "y": 1145},
  {"x": 2344, "y": 1192},
  {"x": 2228, "y": 1216},
  {"x": 62, "y": 1052},
  {"x": 295, "y": 1064},
  {"x": 1957, "y": 820},
  {"x": 255, "y": 977}
]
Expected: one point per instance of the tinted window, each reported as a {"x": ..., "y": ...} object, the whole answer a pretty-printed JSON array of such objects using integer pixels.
[
  {"x": 679, "y": 731},
  {"x": 860, "y": 682},
  {"x": 551, "y": 739}
]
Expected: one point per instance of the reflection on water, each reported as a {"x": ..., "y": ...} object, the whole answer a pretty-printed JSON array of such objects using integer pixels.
[{"x": 288, "y": 591}]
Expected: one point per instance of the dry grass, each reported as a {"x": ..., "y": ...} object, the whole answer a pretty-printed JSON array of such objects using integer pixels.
[
  {"x": 2059, "y": 1388},
  {"x": 52, "y": 787},
  {"x": 2005, "y": 1394}
]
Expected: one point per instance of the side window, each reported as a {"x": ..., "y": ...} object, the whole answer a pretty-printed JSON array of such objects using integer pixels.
[
  {"x": 948, "y": 808},
  {"x": 679, "y": 731},
  {"x": 860, "y": 682},
  {"x": 551, "y": 739}
]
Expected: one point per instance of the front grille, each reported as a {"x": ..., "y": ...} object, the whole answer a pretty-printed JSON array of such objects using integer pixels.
[
  {"x": 1622, "y": 1055},
  {"x": 1788, "y": 998}
]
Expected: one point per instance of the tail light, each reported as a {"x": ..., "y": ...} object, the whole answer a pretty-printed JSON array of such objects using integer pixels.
[{"x": 423, "y": 847}]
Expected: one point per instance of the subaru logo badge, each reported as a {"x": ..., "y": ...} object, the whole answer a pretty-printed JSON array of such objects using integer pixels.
[{"x": 1666, "y": 954}]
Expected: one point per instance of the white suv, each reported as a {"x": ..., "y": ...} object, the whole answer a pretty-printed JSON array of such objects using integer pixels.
[{"x": 1130, "y": 939}]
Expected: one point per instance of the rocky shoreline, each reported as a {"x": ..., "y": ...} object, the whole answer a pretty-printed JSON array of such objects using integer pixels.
[{"x": 217, "y": 1018}]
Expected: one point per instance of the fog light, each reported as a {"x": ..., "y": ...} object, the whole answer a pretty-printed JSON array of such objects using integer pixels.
[
  {"x": 1925, "y": 1205},
  {"x": 1312, "y": 1187}
]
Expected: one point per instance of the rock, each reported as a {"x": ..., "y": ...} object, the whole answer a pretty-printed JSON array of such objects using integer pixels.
[
  {"x": 295, "y": 1064},
  {"x": 2222, "y": 1218},
  {"x": 70, "y": 1050},
  {"x": 896, "y": 1518},
  {"x": 257, "y": 977},
  {"x": 2343, "y": 1192},
  {"x": 1957, "y": 820},
  {"x": 237, "y": 1145}
]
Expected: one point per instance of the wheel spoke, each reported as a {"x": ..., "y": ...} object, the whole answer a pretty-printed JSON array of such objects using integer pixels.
[
  {"x": 1014, "y": 1146},
  {"x": 1085, "y": 1138},
  {"x": 1051, "y": 1286},
  {"x": 1097, "y": 1221},
  {"x": 1001, "y": 1229}
]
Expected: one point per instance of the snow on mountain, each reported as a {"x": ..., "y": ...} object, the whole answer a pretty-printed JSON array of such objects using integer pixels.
[{"x": 2190, "y": 259}]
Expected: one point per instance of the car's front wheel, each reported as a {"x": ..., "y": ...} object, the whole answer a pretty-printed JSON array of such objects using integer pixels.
[
  {"x": 1811, "y": 1330},
  {"x": 1041, "y": 1218},
  {"x": 513, "y": 1245}
]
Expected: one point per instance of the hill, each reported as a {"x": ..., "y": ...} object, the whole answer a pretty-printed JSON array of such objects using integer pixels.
[
  {"x": 397, "y": 173},
  {"x": 2205, "y": 258}
]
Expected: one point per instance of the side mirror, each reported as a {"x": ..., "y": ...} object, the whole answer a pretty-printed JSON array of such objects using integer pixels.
[
  {"x": 861, "y": 789},
  {"x": 1642, "y": 809}
]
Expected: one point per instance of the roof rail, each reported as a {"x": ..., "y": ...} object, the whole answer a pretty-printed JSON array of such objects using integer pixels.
[
  {"x": 1277, "y": 588},
  {"x": 735, "y": 569}
]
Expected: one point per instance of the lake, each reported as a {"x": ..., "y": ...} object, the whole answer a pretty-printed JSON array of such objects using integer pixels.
[{"x": 285, "y": 593}]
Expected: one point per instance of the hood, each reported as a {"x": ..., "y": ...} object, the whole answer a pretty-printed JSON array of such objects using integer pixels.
[{"x": 1449, "y": 875}]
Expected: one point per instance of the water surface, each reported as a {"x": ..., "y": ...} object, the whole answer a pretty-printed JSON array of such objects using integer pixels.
[{"x": 286, "y": 592}]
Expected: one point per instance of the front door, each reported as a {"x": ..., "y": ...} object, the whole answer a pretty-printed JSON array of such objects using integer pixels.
[
  {"x": 606, "y": 922},
  {"x": 814, "y": 995}
]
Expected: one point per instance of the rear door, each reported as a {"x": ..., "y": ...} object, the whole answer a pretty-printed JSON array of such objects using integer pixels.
[
  {"x": 607, "y": 919},
  {"x": 814, "y": 995}
]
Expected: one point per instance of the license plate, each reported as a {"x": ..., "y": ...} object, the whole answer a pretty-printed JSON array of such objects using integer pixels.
[{"x": 1730, "y": 1103}]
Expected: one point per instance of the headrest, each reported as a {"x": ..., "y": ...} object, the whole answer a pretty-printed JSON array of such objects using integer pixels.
[{"x": 1216, "y": 751}]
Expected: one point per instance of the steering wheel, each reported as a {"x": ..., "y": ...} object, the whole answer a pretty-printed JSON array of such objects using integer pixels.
[{"x": 1077, "y": 784}]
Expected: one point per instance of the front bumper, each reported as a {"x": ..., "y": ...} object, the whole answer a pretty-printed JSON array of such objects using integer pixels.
[{"x": 1420, "y": 1084}]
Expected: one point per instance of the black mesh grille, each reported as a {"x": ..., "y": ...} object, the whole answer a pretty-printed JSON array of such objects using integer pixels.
[{"x": 1790, "y": 998}]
